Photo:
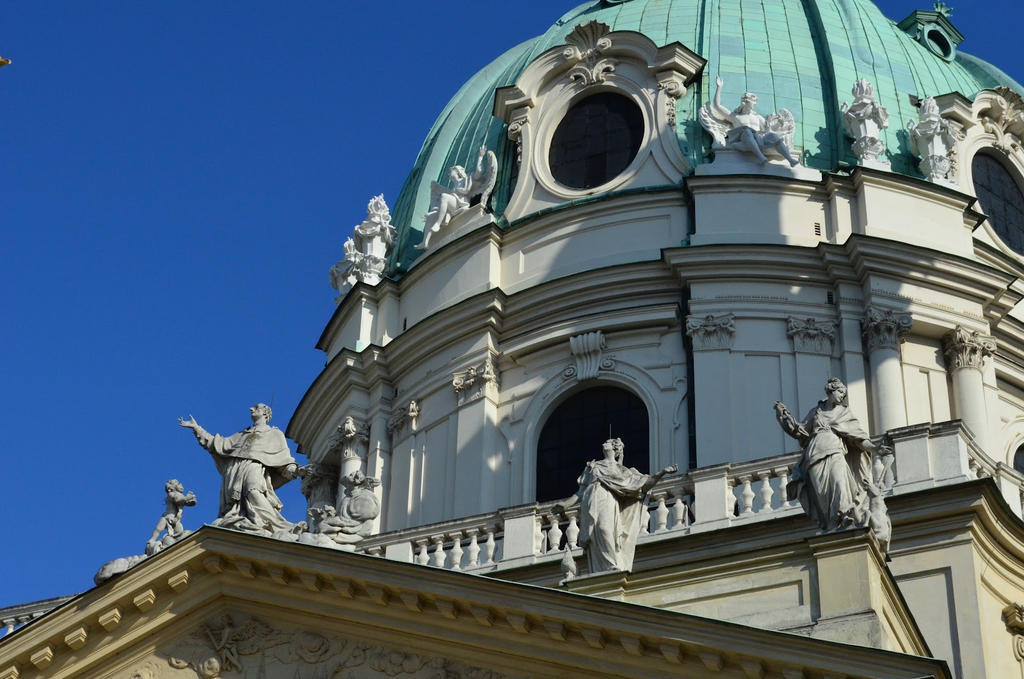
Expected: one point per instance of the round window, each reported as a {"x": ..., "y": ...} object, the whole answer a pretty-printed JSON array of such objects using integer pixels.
[
  {"x": 1000, "y": 199},
  {"x": 939, "y": 43},
  {"x": 596, "y": 140}
]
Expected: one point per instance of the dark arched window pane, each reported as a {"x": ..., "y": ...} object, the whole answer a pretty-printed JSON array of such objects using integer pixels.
[
  {"x": 1000, "y": 199},
  {"x": 1018, "y": 460},
  {"x": 597, "y": 139},
  {"x": 573, "y": 435}
]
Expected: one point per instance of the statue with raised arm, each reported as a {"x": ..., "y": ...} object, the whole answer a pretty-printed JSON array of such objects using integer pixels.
[
  {"x": 833, "y": 478},
  {"x": 174, "y": 503},
  {"x": 745, "y": 130},
  {"x": 611, "y": 499},
  {"x": 447, "y": 202},
  {"x": 252, "y": 464}
]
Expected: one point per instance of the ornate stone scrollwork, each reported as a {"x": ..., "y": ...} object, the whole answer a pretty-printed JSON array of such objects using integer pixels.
[
  {"x": 711, "y": 332},
  {"x": 585, "y": 43},
  {"x": 864, "y": 120},
  {"x": 965, "y": 348},
  {"x": 470, "y": 383},
  {"x": 588, "y": 350},
  {"x": 884, "y": 329},
  {"x": 933, "y": 140},
  {"x": 811, "y": 336},
  {"x": 1002, "y": 115},
  {"x": 235, "y": 645},
  {"x": 366, "y": 251},
  {"x": 1013, "y": 618},
  {"x": 408, "y": 415}
]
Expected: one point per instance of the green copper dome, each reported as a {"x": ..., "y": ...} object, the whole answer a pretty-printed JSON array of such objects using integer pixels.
[{"x": 802, "y": 55}]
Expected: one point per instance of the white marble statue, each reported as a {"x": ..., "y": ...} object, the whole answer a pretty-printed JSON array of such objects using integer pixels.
[
  {"x": 253, "y": 463},
  {"x": 611, "y": 500},
  {"x": 170, "y": 522},
  {"x": 833, "y": 478},
  {"x": 366, "y": 251},
  {"x": 932, "y": 139},
  {"x": 353, "y": 519},
  {"x": 864, "y": 120},
  {"x": 745, "y": 130},
  {"x": 448, "y": 201}
]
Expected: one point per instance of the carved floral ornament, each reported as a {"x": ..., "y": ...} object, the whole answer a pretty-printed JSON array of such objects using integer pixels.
[
  {"x": 1001, "y": 114},
  {"x": 884, "y": 329},
  {"x": 965, "y": 348},
  {"x": 472, "y": 381},
  {"x": 237, "y": 646},
  {"x": 711, "y": 332},
  {"x": 586, "y": 43},
  {"x": 810, "y": 335}
]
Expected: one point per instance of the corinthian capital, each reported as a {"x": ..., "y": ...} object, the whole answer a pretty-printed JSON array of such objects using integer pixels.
[
  {"x": 965, "y": 348},
  {"x": 884, "y": 329}
]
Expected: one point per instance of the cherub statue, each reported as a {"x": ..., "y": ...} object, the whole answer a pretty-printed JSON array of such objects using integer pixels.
[
  {"x": 174, "y": 503},
  {"x": 932, "y": 139},
  {"x": 353, "y": 519},
  {"x": 448, "y": 201},
  {"x": 745, "y": 130}
]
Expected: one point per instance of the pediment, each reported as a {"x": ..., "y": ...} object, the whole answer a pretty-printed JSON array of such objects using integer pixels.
[{"x": 227, "y": 604}]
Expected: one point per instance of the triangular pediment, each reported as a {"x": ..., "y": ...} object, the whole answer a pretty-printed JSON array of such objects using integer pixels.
[{"x": 227, "y": 604}]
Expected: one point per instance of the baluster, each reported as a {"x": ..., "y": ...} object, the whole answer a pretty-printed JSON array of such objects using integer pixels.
[
  {"x": 661, "y": 514},
  {"x": 421, "y": 551},
  {"x": 457, "y": 551},
  {"x": 473, "y": 551},
  {"x": 766, "y": 490},
  {"x": 572, "y": 532},
  {"x": 645, "y": 518},
  {"x": 730, "y": 497},
  {"x": 489, "y": 546},
  {"x": 783, "y": 474},
  {"x": 680, "y": 514},
  {"x": 538, "y": 534},
  {"x": 746, "y": 495},
  {"x": 437, "y": 556},
  {"x": 973, "y": 468},
  {"x": 554, "y": 533}
]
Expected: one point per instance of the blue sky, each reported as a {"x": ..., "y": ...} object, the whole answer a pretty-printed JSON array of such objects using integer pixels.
[{"x": 177, "y": 180}]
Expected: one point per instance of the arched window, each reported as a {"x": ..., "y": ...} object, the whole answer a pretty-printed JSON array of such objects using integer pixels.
[
  {"x": 596, "y": 140},
  {"x": 1000, "y": 199},
  {"x": 1018, "y": 459},
  {"x": 574, "y": 432}
]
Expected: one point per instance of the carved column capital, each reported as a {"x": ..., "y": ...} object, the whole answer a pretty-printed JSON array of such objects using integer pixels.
[
  {"x": 711, "y": 332},
  {"x": 471, "y": 383},
  {"x": 965, "y": 348},
  {"x": 884, "y": 329},
  {"x": 811, "y": 336}
]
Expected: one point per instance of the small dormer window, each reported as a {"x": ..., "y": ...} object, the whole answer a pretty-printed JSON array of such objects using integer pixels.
[
  {"x": 596, "y": 141},
  {"x": 1000, "y": 199},
  {"x": 934, "y": 30}
]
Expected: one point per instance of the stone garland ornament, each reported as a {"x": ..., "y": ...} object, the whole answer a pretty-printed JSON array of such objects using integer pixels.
[
  {"x": 235, "y": 646},
  {"x": 169, "y": 525},
  {"x": 835, "y": 480},
  {"x": 447, "y": 202},
  {"x": 611, "y": 497},
  {"x": 745, "y": 130},
  {"x": 864, "y": 120},
  {"x": 933, "y": 141},
  {"x": 366, "y": 251}
]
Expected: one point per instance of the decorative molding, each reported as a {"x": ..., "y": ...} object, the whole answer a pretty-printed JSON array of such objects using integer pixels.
[
  {"x": 251, "y": 647},
  {"x": 811, "y": 336},
  {"x": 884, "y": 329},
  {"x": 1013, "y": 618},
  {"x": 408, "y": 415},
  {"x": 585, "y": 45},
  {"x": 471, "y": 383},
  {"x": 711, "y": 332},
  {"x": 1001, "y": 113},
  {"x": 588, "y": 351},
  {"x": 674, "y": 87},
  {"x": 963, "y": 348}
]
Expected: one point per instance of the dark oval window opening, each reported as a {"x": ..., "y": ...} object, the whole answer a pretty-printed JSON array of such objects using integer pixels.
[
  {"x": 1000, "y": 199},
  {"x": 596, "y": 140},
  {"x": 573, "y": 434},
  {"x": 939, "y": 43}
]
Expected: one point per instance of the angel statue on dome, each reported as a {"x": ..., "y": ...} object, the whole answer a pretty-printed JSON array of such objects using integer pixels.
[
  {"x": 745, "y": 130},
  {"x": 448, "y": 201}
]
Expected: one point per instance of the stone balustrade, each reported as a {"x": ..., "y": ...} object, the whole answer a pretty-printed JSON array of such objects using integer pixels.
[
  {"x": 702, "y": 499},
  {"x": 13, "y": 617}
]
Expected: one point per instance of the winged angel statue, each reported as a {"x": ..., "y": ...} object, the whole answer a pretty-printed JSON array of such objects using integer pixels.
[
  {"x": 448, "y": 201},
  {"x": 745, "y": 130}
]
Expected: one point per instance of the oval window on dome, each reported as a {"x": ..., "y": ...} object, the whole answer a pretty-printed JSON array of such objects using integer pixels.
[
  {"x": 596, "y": 140},
  {"x": 1000, "y": 199}
]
